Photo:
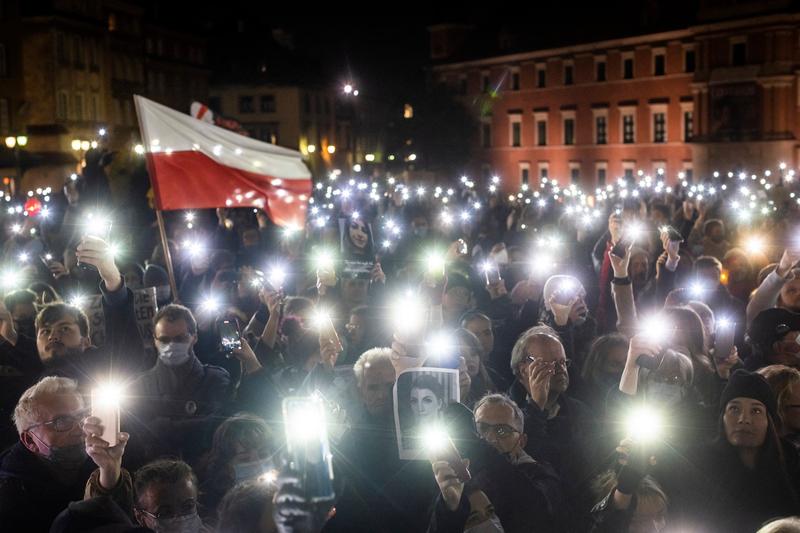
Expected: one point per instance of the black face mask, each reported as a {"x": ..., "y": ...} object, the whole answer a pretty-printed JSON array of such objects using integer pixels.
[{"x": 26, "y": 327}]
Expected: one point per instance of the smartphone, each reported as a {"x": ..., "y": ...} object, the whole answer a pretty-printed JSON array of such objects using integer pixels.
[
  {"x": 97, "y": 228},
  {"x": 463, "y": 249},
  {"x": 230, "y": 339},
  {"x": 450, "y": 454},
  {"x": 47, "y": 259},
  {"x": 723, "y": 339},
  {"x": 492, "y": 274},
  {"x": 621, "y": 248},
  {"x": 673, "y": 234},
  {"x": 105, "y": 406},
  {"x": 307, "y": 446}
]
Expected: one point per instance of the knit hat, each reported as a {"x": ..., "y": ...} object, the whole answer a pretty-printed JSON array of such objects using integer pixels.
[
  {"x": 770, "y": 326},
  {"x": 744, "y": 384}
]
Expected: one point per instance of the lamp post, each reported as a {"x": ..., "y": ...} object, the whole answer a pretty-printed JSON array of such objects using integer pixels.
[{"x": 15, "y": 143}]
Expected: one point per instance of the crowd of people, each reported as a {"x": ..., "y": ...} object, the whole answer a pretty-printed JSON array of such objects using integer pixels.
[{"x": 626, "y": 361}]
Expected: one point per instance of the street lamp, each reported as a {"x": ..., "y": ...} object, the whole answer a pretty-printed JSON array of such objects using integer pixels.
[{"x": 14, "y": 143}]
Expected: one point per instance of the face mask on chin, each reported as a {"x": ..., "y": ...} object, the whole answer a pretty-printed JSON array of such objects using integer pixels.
[
  {"x": 492, "y": 525},
  {"x": 189, "y": 523},
  {"x": 174, "y": 353},
  {"x": 664, "y": 394},
  {"x": 251, "y": 470},
  {"x": 64, "y": 459}
]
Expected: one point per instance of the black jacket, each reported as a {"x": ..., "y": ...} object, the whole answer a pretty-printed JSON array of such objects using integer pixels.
[{"x": 31, "y": 496}]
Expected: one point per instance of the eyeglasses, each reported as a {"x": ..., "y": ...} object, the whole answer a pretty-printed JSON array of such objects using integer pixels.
[
  {"x": 64, "y": 423},
  {"x": 500, "y": 430},
  {"x": 188, "y": 507},
  {"x": 563, "y": 363}
]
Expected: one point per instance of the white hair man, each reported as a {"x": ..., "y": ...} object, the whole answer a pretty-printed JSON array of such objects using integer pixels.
[{"x": 50, "y": 465}]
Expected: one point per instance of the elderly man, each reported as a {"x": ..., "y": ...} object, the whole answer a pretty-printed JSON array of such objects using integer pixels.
[
  {"x": 378, "y": 492},
  {"x": 560, "y": 429},
  {"x": 49, "y": 466}
]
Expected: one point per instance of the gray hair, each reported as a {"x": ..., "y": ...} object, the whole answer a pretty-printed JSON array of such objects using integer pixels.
[
  {"x": 518, "y": 352},
  {"x": 26, "y": 413},
  {"x": 784, "y": 525},
  {"x": 369, "y": 358},
  {"x": 495, "y": 398}
]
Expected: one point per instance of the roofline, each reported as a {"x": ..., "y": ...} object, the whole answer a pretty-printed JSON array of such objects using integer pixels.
[{"x": 617, "y": 43}]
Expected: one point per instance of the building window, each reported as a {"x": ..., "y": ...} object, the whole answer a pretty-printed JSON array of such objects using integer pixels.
[
  {"x": 627, "y": 68},
  {"x": 112, "y": 22},
  {"x": 688, "y": 174},
  {"x": 541, "y": 78},
  {"x": 268, "y": 103},
  {"x": 628, "y": 173},
  {"x": 600, "y": 128},
  {"x": 246, "y": 104},
  {"x": 62, "y": 51},
  {"x": 524, "y": 173},
  {"x": 5, "y": 118},
  {"x": 574, "y": 173},
  {"x": 688, "y": 61},
  {"x": 600, "y": 70},
  {"x": 569, "y": 74},
  {"x": 659, "y": 127},
  {"x": 62, "y": 105},
  {"x": 485, "y": 82},
  {"x": 80, "y": 61},
  {"x": 486, "y": 135},
  {"x": 78, "y": 108},
  {"x": 541, "y": 133},
  {"x": 94, "y": 108},
  {"x": 569, "y": 131},
  {"x": 515, "y": 81},
  {"x": 659, "y": 64},
  {"x": 627, "y": 129},
  {"x": 688, "y": 125},
  {"x": 739, "y": 53},
  {"x": 543, "y": 170},
  {"x": 408, "y": 111},
  {"x": 516, "y": 134},
  {"x": 601, "y": 176}
]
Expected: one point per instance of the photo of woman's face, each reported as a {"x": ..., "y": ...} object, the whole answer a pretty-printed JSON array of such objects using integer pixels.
[
  {"x": 358, "y": 234},
  {"x": 425, "y": 405}
]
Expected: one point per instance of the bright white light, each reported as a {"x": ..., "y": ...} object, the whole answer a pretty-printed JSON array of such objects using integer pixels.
[
  {"x": 23, "y": 257},
  {"x": 101, "y": 132},
  {"x": 644, "y": 424},
  {"x": 139, "y": 149},
  {"x": 190, "y": 216},
  {"x": 276, "y": 276},
  {"x": 655, "y": 327},
  {"x": 210, "y": 304},
  {"x": 697, "y": 289},
  {"x": 755, "y": 244},
  {"x": 323, "y": 260},
  {"x": 723, "y": 323},
  {"x": 408, "y": 313}
]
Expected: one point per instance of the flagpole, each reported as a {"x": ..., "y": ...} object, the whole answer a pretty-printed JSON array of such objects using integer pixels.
[{"x": 167, "y": 256}]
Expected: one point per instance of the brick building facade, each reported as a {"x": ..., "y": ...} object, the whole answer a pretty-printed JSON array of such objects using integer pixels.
[{"x": 717, "y": 95}]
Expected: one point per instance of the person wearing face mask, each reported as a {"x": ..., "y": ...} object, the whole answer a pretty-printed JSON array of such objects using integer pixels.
[
  {"x": 180, "y": 396},
  {"x": 241, "y": 450},
  {"x": 785, "y": 383},
  {"x": 49, "y": 467},
  {"x": 166, "y": 498},
  {"x": 603, "y": 368}
]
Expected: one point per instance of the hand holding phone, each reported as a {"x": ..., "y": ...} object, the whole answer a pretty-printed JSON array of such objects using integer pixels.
[
  {"x": 307, "y": 446},
  {"x": 724, "y": 339},
  {"x": 105, "y": 407},
  {"x": 230, "y": 338}
]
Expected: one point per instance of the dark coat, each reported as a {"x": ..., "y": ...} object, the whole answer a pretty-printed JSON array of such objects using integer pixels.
[{"x": 31, "y": 495}]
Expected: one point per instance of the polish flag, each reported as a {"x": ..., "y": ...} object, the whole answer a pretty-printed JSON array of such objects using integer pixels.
[{"x": 197, "y": 165}]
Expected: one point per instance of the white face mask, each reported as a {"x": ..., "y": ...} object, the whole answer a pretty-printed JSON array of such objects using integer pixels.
[
  {"x": 189, "y": 523},
  {"x": 499, "y": 258},
  {"x": 174, "y": 353},
  {"x": 492, "y": 525}
]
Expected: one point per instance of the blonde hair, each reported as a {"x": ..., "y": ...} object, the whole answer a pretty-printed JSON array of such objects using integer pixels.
[
  {"x": 784, "y": 525},
  {"x": 781, "y": 379},
  {"x": 26, "y": 413},
  {"x": 369, "y": 358}
]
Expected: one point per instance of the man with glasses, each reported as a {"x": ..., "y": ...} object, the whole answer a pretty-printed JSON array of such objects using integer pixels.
[
  {"x": 49, "y": 466},
  {"x": 560, "y": 429},
  {"x": 527, "y": 494},
  {"x": 166, "y": 497}
]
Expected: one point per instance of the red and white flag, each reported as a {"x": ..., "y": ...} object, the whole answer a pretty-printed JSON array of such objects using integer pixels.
[{"x": 197, "y": 165}]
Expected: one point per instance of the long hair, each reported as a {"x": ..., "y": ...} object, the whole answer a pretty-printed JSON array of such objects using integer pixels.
[
  {"x": 690, "y": 328},
  {"x": 242, "y": 428},
  {"x": 598, "y": 353},
  {"x": 483, "y": 382},
  {"x": 771, "y": 460}
]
